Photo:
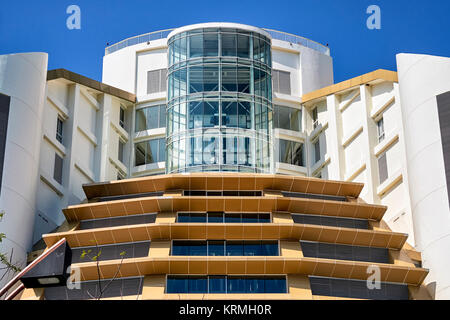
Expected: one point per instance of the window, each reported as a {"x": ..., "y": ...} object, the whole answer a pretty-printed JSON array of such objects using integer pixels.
[
  {"x": 330, "y": 221},
  {"x": 315, "y": 118},
  {"x": 120, "y": 155},
  {"x": 382, "y": 168},
  {"x": 287, "y": 118},
  {"x": 150, "y": 118},
  {"x": 59, "y": 129},
  {"x": 316, "y": 145},
  {"x": 156, "y": 81},
  {"x": 225, "y": 248},
  {"x": 122, "y": 117},
  {"x": 58, "y": 169},
  {"x": 281, "y": 81},
  {"x": 291, "y": 152},
  {"x": 349, "y": 288},
  {"x": 151, "y": 151},
  {"x": 221, "y": 217},
  {"x": 380, "y": 129},
  {"x": 226, "y": 284},
  {"x": 344, "y": 252}
]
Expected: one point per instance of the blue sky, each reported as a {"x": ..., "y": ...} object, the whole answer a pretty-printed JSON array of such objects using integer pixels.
[{"x": 407, "y": 26}]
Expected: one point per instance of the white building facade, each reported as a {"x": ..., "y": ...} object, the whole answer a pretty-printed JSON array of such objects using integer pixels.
[{"x": 363, "y": 129}]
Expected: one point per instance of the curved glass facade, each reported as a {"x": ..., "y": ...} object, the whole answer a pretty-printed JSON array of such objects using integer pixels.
[{"x": 219, "y": 111}]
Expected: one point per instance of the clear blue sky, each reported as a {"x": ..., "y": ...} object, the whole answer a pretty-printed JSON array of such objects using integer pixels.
[{"x": 407, "y": 26}]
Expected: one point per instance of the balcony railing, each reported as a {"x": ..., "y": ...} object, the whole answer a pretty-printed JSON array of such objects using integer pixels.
[{"x": 162, "y": 34}]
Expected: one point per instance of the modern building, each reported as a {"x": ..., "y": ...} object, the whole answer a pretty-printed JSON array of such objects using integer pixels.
[
  {"x": 233, "y": 236},
  {"x": 231, "y": 97}
]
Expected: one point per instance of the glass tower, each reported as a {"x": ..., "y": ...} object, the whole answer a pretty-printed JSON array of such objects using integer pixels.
[{"x": 219, "y": 109}]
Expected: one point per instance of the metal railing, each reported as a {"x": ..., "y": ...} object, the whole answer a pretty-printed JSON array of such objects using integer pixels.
[
  {"x": 292, "y": 38},
  {"x": 278, "y": 35}
]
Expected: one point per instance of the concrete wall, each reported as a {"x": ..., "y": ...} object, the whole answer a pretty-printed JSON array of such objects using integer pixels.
[
  {"x": 23, "y": 79},
  {"x": 421, "y": 79}
]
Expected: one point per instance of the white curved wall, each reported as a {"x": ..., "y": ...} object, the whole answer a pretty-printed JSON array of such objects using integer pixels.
[
  {"x": 421, "y": 79},
  {"x": 23, "y": 78}
]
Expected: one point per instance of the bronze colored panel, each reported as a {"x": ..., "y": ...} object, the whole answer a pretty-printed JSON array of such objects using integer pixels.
[
  {"x": 197, "y": 231},
  {"x": 162, "y": 266},
  {"x": 247, "y": 182},
  {"x": 291, "y": 266},
  {"x": 263, "y": 182},
  {"x": 179, "y": 231},
  {"x": 215, "y": 231},
  {"x": 300, "y": 185},
  {"x": 164, "y": 230},
  {"x": 115, "y": 209},
  {"x": 329, "y": 235},
  {"x": 178, "y": 266},
  {"x": 133, "y": 207},
  {"x": 138, "y": 233},
  {"x": 250, "y": 204},
  {"x": 271, "y": 231},
  {"x": 274, "y": 265},
  {"x": 235, "y": 266},
  {"x": 121, "y": 234},
  {"x": 153, "y": 232},
  {"x": 217, "y": 267},
  {"x": 234, "y": 231},
  {"x": 100, "y": 210},
  {"x": 104, "y": 236},
  {"x": 282, "y": 204},
  {"x": 213, "y": 183},
  {"x": 284, "y": 183},
  {"x": 149, "y": 205},
  {"x": 114, "y": 188},
  {"x": 285, "y": 231},
  {"x": 346, "y": 236},
  {"x": 332, "y": 188},
  {"x": 215, "y": 204},
  {"x": 311, "y": 233},
  {"x": 230, "y": 183},
  {"x": 233, "y": 204},
  {"x": 197, "y": 266},
  {"x": 316, "y": 186},
  {"x": 252, "y": 232},
  {"x": 197, "y": 183},
  {"x": 325, "y": 268},
  {"x": 255, "y": 266}
]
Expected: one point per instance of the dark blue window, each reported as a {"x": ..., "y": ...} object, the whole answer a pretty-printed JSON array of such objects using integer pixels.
[
  {"x": 177, "y": 285},
  {"x": 253, "y": 249},
  {"x": 198, "y": 217},
  {"x": 184, "y": 217},
  {"x": 269, "y": 248},
  {"x": 254, "y": 285},
  {"x": 233, "y": 218},
  {"x": 198, "y": 284},
  {"x": 217, "y": 284},
  {"x": 235, "y": 248},
  {"x": 250, "y": 218},
  {"x": 226, "y": 284},
  {"x": 189, "y": 248},
  {"x": 275, "y": 285},
  {"x": 216, "y": 217},
  {"x": 236, "y": 285},
  {"x": 216, "y": 248},
  {"x": 198, "y": 248},
  {"x": 264, "y": 218}
]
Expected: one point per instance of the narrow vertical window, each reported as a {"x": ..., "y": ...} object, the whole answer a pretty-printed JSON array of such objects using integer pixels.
[
  {"x": 58, "y": 169},
  {"x": 380, "y": 129},
  {"x": 121, "y": 147},
  {"x": 382, "y": 168},
  {"x": 59, "y": 129},
  {"x": 315, "y": 118},
  {"x": 122, "y": 117},
  {"x": 316, "y": 151}
]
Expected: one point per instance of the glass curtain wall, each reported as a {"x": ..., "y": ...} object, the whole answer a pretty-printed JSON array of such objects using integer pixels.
[{"x": 219, "y": 101}]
